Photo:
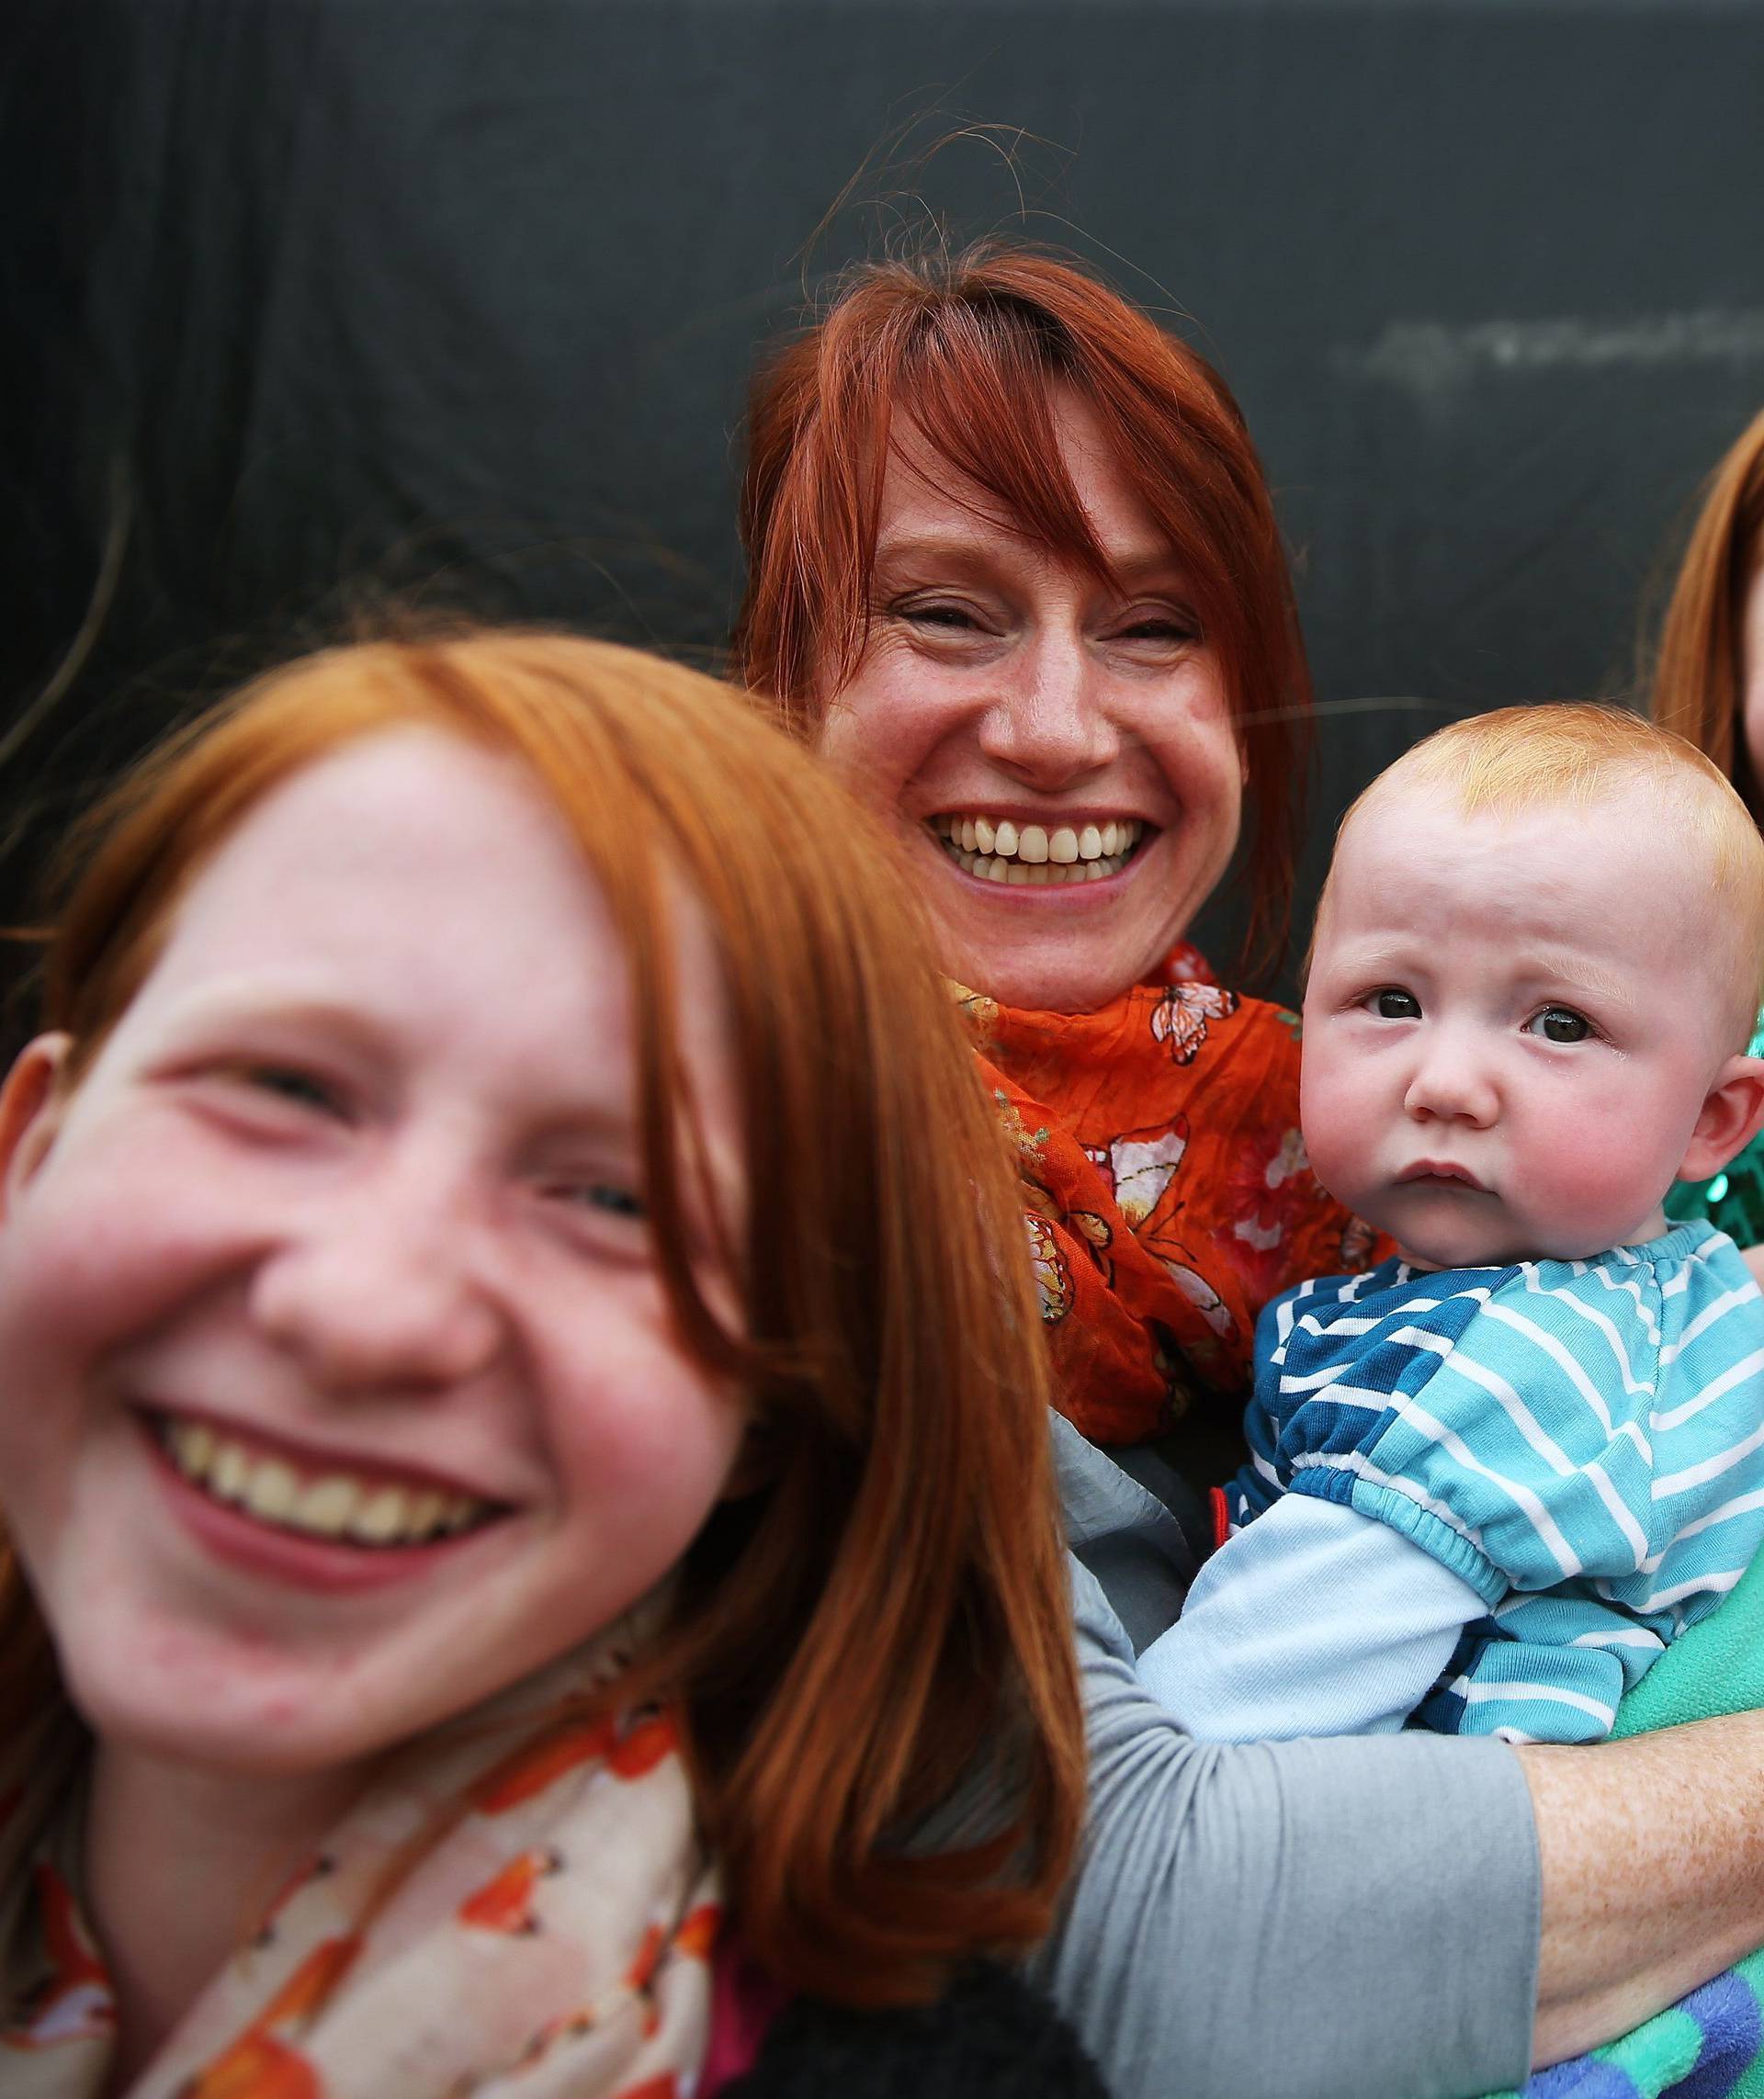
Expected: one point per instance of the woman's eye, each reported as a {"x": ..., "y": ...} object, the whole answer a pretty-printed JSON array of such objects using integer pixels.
[
  {"x": 1560, "y": 1024},
  {"x": 1169, "y": 629},
  {"x": 942, "y": 618},
  {"x": 1396, "y": 1005}
]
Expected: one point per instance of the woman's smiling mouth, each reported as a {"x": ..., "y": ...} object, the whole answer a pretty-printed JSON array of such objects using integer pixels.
[
  {"x": 334, "y": 1504},
  {"x": 997, "y": 849}
]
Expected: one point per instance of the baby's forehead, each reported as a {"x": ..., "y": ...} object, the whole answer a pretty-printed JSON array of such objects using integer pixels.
[
  {"x": 1619, "y": 876},
  {"x": 1622, "y": 856},
  {"x": 1641, "y": 814}
]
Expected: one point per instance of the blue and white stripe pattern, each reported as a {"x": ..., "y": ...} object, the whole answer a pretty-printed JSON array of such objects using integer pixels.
[{"x": 1581, "y": 1441}]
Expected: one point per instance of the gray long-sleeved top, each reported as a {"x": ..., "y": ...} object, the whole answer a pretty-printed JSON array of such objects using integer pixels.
[{"x": 1356, "y": 1916}]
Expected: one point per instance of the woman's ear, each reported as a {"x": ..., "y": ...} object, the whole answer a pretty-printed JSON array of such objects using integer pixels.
[
  {"x": 31, "y": 1103},
  {"x": 1732, "y": 1114}
]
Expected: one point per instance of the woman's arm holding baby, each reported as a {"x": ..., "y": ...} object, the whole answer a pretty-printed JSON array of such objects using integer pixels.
[
  {"x": 1354, "y": 1918},
  {"x": 1653, "y": 1863},
  {"x": 1386, "y": 1891}
]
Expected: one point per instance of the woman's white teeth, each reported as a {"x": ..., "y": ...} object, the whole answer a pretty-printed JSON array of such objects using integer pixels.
[
  {"x": 336, "y": 1504},
  {"x": 1005, "y": 853}
]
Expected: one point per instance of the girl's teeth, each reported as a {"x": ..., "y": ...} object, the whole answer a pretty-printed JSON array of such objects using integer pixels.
[
  {"x": 367, "y": 1512},
  {"x": 381, "y": 1518},
  {"x": 1089, "y": 843},
  {"x": 1063, "y": 846},
  {"x": 1004, "y": 840},
  {"x": 326, "y": 1507},
  {"x": 427, "y": 1510},
  {"x": 1032, "y": 844},
  {"x": 271, "y": 1491},
  {"x": 229, "y": 1473},
  {"x": 194, "y": 1447},
  {"x": 985, "y": 838}
]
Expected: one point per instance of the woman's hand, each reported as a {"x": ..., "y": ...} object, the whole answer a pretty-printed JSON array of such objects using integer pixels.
[{"x": 1653, "y": 1860}]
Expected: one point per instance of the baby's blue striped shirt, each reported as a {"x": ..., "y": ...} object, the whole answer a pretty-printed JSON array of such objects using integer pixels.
[{"x": 1581, "y": 1441}]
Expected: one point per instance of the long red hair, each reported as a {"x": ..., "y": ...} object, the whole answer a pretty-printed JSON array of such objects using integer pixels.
[
  {"x": 885, "y": 1617},
  {"x": 973, "y": 347},
  {"x": 1697, "y": 674}
]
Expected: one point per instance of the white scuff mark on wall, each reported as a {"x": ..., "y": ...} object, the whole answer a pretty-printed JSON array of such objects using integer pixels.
[{"x": 1431, "y": 357}]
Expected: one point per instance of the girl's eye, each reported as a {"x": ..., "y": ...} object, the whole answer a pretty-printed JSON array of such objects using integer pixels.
[
  {"x": 1396, "y": 1005},
  {"x": 608, "y": 1197},
  {"x": 289, "y": 1083},
  {"x": 1560, "y": 1024}
]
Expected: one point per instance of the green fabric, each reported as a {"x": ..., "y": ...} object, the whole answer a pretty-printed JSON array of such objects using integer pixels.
[{"x": 1716, "y": 1667}]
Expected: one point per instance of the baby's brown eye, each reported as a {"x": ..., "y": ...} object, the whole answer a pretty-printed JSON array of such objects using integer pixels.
[
  {"x": 1560, "y": 1024},
  {"x": 1396, "y": 1006}
]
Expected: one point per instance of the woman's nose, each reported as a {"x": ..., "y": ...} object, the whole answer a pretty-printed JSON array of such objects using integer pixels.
[
  {"x": 373, "y": 1289},
  {"x": 1451, "y": 1083},
  {"x": 1050, "y": 723}
]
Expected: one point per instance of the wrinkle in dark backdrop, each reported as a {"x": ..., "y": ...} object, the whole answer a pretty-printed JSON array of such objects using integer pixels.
[{"x": 315, "y": 302}]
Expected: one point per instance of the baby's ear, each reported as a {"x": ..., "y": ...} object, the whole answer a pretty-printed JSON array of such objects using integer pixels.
[
  {"x": 31, "y": 1104},
  {"x": 1732, "y": 1114}
]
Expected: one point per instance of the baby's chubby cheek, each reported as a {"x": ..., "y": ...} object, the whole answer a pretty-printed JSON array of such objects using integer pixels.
[
  {"x": 1342, "y": 1136},
  {"x": 1585, "y": 1196}
]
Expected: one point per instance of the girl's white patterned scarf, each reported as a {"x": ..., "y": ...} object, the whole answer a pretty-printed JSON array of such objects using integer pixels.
[{"x": 519, "y": 1908}]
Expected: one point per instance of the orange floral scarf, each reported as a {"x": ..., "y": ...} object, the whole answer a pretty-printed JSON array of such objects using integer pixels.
[
  {"x": 551, "y": 1941},
  {"x": 1170, "y": 1193}
]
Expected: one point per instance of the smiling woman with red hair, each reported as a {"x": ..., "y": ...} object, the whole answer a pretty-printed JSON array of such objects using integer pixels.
[{"x": 1015, "y": 570}]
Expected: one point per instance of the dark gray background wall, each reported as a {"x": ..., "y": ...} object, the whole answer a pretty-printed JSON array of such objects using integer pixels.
[{"x": 309, "y": 300}]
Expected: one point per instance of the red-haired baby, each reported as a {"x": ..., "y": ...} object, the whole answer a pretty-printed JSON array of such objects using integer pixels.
[{"x": 1492, "y": 1478}]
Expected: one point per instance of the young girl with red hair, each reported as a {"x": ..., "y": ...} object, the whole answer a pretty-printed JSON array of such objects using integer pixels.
[{"x": 523, "y": 1463}]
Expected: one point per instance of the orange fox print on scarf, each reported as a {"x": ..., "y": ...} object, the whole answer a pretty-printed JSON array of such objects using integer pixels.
[{"x": 521, "y": 1905}]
